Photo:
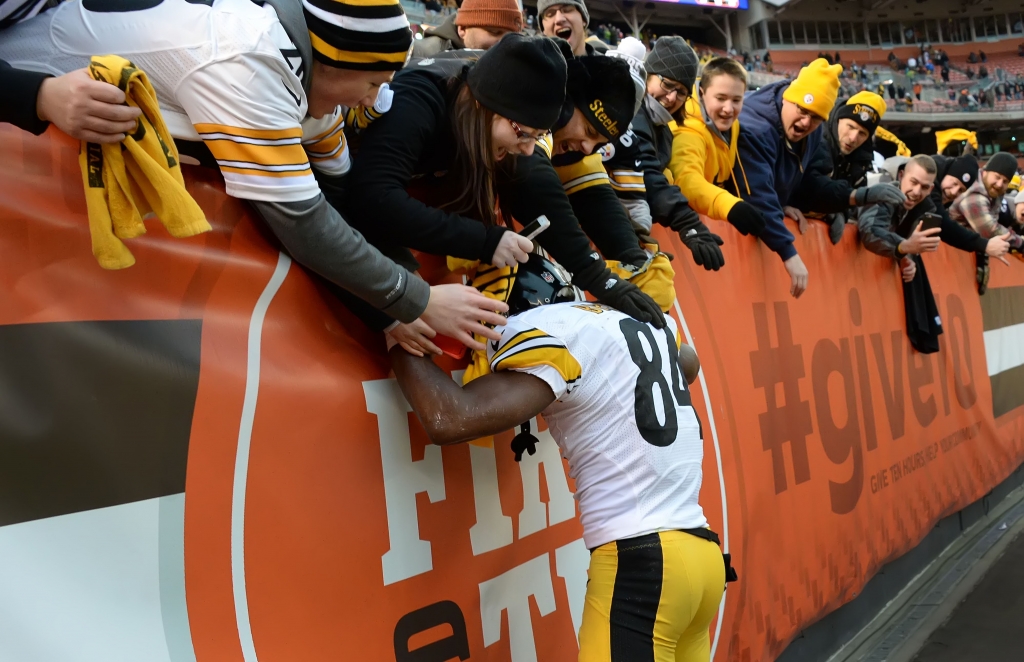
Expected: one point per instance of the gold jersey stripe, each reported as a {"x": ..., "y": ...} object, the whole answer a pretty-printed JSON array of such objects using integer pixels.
[
  {"x": 555, "y": 356},
  {"x": 516, "y": 340},
  {"x": 360, "y": 57},
  {"x": 264, "y": 134},
  {"x": 266, "y": 173},
  {"x": 324, "y": 134},
  {"x": 269, "y": 155}
]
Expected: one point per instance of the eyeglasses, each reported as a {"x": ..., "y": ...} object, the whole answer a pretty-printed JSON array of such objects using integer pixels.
[
  {"x": 670, "y": 87},
  {"x": 524, "y": 137}
]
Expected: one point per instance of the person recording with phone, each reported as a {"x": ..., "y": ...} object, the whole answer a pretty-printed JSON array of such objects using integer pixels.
[
  {"x": 903, "y": 232},
  {"x": 440, "y": 172}
]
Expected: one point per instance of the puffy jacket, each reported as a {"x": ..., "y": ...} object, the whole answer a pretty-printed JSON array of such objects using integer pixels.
[
  {"x": 702, "y": 161},
  {"x": 768, "y": 168}
]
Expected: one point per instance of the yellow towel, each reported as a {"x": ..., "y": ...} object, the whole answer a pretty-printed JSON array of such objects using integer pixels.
[
  {"x": 901, "y": 147},
  {"x": 943, "y": 138},
  {"x": 125, "y": 182}
]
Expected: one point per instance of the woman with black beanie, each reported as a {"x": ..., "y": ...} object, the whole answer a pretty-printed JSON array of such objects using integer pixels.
[{"x": 454, "y": 133}]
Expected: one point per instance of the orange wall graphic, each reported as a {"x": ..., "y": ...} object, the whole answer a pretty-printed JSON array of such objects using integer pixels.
[{"x": 320, "y": 525}]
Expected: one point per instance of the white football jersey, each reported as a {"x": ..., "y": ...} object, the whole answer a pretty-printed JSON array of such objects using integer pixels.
[
  {"x": 224, "y": 72},
  {"x": 622, "y": 415}
]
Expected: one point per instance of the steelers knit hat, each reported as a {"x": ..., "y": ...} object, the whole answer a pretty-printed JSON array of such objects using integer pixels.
[
  {"x": 816, "y": 88},
  {"x": 368, "y": 35},
  {"x": 606, "y": 91},
  {"x": 673, "y": 58},
  {"x": 964, "y": 169},
  {"x": 864, "y": 108},
  {"x": 502, "y": 14}
]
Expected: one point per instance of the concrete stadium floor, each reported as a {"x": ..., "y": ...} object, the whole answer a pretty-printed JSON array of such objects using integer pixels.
[{"x": 988, "y": 625}]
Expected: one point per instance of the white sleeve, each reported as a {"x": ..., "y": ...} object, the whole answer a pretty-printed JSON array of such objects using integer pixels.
[
  {"x": 248, "y": 110},
  {"x": 325, "y": 143}
]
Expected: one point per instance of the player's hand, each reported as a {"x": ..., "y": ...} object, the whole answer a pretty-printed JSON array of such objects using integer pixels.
[
  {"x": 705, "y": 248},
  {"x": 798, "y": 216},
  {"x": 459, "y": 311},
  {"x": 908, "y": 268},
  {"x": 85, "y": 108},
  {"x": 797, "y": 276},
  {"x": 921, "y": 241},
  {"x": 511, "y": 248},
  {"x": 415, "y": 338}
]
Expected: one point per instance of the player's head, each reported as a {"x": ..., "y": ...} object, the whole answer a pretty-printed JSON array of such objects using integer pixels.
[{"x": 540, "y": 282}]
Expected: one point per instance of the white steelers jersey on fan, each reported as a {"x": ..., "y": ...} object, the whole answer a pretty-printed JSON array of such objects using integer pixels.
[
  {"x": 622, "y": 417},
  {"x": 225, "y": 73}
]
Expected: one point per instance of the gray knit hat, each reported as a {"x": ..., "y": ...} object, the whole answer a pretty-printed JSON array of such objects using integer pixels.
[
  {"x": 1004, "y": 163},
  {"x": 673, "y": 58},
  {"x": 543, "y": 5}
]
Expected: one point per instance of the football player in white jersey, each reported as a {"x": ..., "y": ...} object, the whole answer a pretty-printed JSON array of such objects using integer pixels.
[
  {"x": 260, "y": 90},
  {"x": 613, "y": 394}
]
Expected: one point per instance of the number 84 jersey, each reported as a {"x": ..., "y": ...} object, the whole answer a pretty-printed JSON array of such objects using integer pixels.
[{"x": 622, "y": 415}]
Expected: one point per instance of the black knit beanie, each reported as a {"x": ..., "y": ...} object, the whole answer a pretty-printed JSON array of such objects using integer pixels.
[
  {"x": 521, "y": 78},
  {"x": 1003, "y": 163},
  {"x": 605, "y": 92},
  {"x": 964, "y": 169}
]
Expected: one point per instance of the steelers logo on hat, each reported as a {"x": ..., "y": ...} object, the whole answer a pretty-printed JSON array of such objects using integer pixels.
[
  {"x": 966, "y": 177},
  {"x": 808, "y": 98},
  {"x": 607, "y": 151}
]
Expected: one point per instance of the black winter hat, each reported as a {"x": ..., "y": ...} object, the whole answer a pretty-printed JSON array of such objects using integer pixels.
[
  {"x": 964, "y": 169},
  {"x": 521, "y": 78},
  {"x": 1003, "y": 163},
  {"x": 606, "y": 92},
  {"x": 673, "y": 58}
]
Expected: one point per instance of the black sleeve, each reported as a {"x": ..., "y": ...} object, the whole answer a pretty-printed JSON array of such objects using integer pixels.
[
  {"x": 18, "y": 100},
  {"x": 391, "y": 149},
  {"x": 960, "y": 237},
  {"x": 533, "y": 189},
  {"x": 669, "y": 207},
  {"x": 818, "y": 191}
]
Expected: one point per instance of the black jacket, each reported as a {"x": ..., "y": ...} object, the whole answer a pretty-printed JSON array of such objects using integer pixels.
[
  {"x": 832, "y": 175},
  {"x": 414, "y": 140}
]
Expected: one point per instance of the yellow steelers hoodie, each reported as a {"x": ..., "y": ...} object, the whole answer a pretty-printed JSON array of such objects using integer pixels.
[{"x": 702, "y": 161}]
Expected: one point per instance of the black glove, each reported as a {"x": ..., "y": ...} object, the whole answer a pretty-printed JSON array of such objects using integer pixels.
[
  {"x": 888, "y": 193},
  {"x": 705, "y": 249},
  {"x": 746, "y": 219},
  {"x": 619, "y": 294}
]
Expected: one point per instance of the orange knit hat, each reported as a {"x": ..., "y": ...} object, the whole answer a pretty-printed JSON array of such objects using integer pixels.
[{"x": 503, "y": 14}]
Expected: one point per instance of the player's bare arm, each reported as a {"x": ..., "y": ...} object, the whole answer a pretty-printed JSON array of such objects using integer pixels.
[{"x": 451, "y": 413}]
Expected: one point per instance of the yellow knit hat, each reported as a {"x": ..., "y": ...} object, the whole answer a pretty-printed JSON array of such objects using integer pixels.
[
  {"x": 816, "y": 88},
  {"x": 864, "y": 108}
]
